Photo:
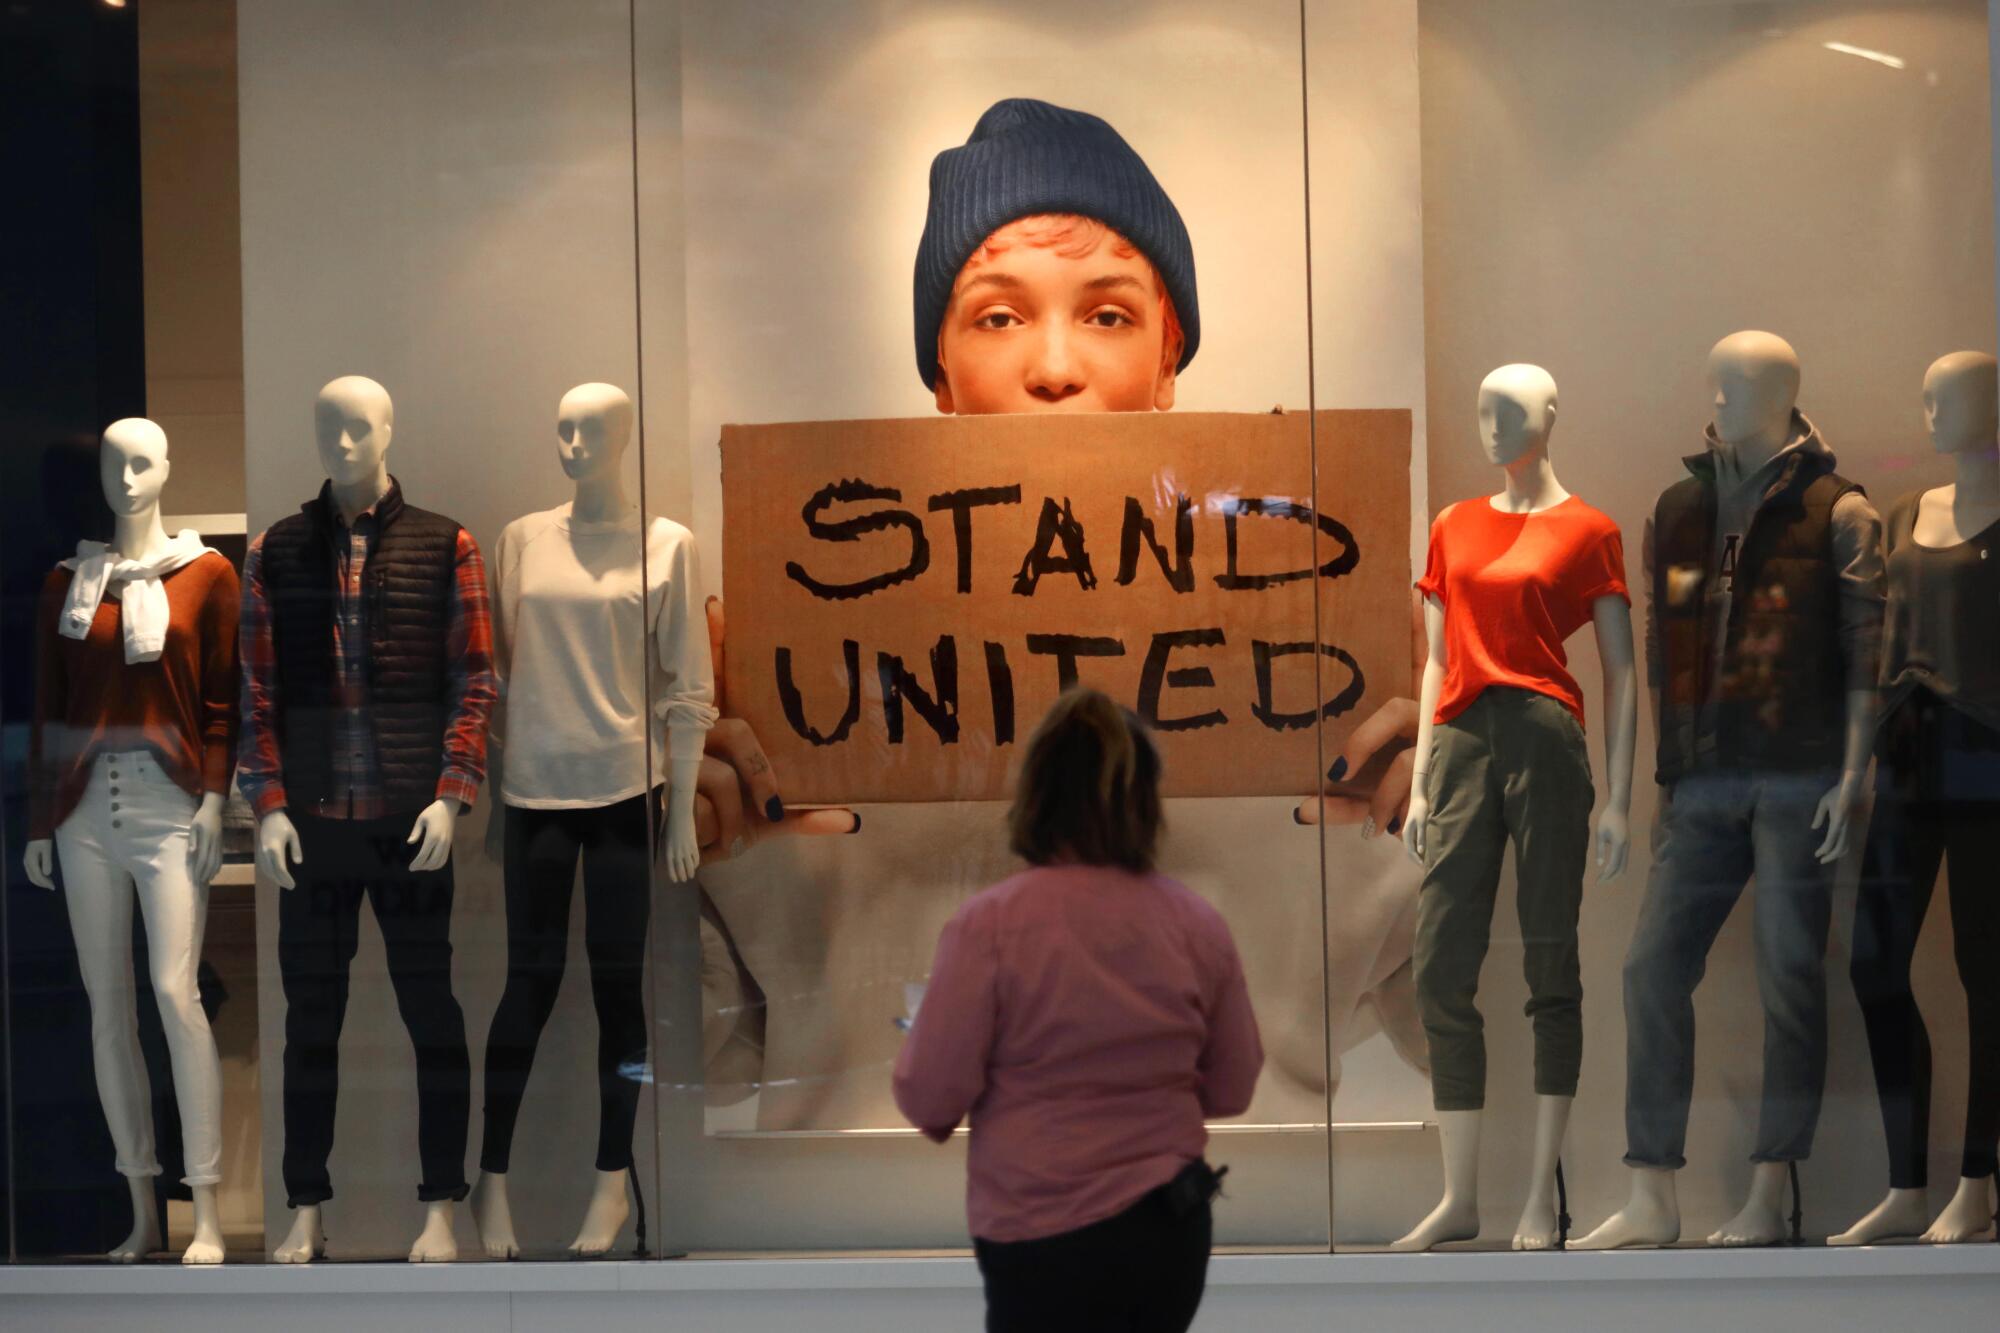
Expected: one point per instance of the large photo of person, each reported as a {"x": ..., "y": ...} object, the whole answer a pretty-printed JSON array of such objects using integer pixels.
[{"x": 1054, "y": 273}]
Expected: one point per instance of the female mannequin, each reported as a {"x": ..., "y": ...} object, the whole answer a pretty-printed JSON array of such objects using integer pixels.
[
  {"x": 133, "y": 741},
  {"x": 579, "y": 590},
  {"x": 1937, "y": 800},
  {"x": 1502, "y": 755}
]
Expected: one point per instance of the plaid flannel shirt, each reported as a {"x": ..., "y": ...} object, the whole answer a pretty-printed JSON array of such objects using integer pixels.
[{"x": 357, "y": 775}]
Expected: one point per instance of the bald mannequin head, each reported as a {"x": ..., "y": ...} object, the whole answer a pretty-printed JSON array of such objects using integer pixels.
[
  {"x": 1753, "y": 378},
  {"x": 352, "y": 422},
  {"x": 1517, "y": 412},
  {"x": 1962, "y": 402},
  {"x": 593, "y": 429},
  {"x": 132, "y": 465}
]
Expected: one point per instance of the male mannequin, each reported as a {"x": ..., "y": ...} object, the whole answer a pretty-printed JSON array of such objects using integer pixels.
[
  {"x": 133, "y": 741},
  {"x": 1765, "y": 569},
  {"x": 368, "y": 676},
  {"x": 1502, "y": 757},
  {"x": 583, "y": 666},
  {"x": 1937, "y": 802}
]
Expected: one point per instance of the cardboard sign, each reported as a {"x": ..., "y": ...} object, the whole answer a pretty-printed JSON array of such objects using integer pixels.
[{"x": 906, "y": 598}]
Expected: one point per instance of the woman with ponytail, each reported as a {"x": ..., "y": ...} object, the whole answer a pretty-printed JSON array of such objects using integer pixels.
[{"x": 1089, "y": 1015}]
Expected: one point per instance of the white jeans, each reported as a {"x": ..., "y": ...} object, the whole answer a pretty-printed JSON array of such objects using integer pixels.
[{"x": 132, "y": 830}]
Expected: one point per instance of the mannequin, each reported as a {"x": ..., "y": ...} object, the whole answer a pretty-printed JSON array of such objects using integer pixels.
[
  {"x": 1937, "y": 792},
  {"x": 367, "y": 681},
  {"x": 1501, "y": 754},
  {"x": 578, "y": 590},
  {"x": 1751, "y": 719},
  {"x": 132, "y": 746}
]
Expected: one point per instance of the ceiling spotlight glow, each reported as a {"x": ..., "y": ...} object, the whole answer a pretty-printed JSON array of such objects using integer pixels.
[{"x": 1880, "y": 58}]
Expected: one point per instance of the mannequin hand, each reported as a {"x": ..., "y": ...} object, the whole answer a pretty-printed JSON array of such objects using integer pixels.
[
  {"x": 40, "y": 862},
  {"x": 683, "y": 856},
  {"x": 1393, "y": 726},
  {"x": 1416, "y": 827},
  {"x": 205, "y": 839},
  {"x": 278, "y": 848},
  {"x": 433, "y": 832},
  {"x": 1613, "y": 844},
  {"x": 736, "y": 777},
  {"x": 1836, "y": 813}
]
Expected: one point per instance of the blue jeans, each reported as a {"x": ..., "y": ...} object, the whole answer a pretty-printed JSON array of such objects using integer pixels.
[{"x": 1718, "y": 829}]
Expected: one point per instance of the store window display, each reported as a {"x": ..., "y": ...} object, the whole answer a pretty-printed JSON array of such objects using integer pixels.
[
  {"x": 367, "y": 681},
  {"x": 605, "y": 679},
  {"x": 131, "y": 749},
  {"x": 1503, "y": 759},
  {"x": 1937, "y": 805},
  {"x": 1764, "y": 568}
]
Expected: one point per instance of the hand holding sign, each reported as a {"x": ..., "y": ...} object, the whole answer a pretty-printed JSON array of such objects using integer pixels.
[
  {"x": 735, "y": 773},
  {"x": 1390, "y": 731}
]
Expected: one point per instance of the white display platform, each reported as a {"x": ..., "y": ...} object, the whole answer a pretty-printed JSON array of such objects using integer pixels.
[{"x": 1813, "y": 1289}]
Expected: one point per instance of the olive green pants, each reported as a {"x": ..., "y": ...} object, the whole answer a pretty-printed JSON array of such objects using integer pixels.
[{"x": 1513, "y": 765}]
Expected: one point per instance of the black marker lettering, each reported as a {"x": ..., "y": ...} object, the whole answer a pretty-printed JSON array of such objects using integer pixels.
[
  {"x": 1067, "y": 648},
  {"x": 940, "y": 709},
  {"x": 1263, "y": 654},
  {"x": 1155, "y": 675},
  {"x": 1055, "y": 525},
  {"x": 852, "y": 529},
  {"x": 794, "y": 706},
  {"x": 1139, "y": 527},
  {"x": 1231, "y": 579},
  {"x": 961, "y": 504}
]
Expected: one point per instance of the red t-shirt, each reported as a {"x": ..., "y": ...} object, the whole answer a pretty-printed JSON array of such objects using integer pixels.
[{"x": 1513, "y": 587}]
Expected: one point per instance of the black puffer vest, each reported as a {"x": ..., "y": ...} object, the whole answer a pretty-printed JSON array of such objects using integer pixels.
[
  {"x": 406, "y": 589},
  {"x": 1782, "y": 700}
]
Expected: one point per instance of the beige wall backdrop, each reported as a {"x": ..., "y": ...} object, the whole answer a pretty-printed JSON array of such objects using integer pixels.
[
  {"x": 192, "y": 248},
  {"x": 1609, "y": 187}
]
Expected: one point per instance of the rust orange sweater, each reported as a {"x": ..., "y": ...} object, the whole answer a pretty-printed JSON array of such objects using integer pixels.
[{"x": 181, "y": 707}]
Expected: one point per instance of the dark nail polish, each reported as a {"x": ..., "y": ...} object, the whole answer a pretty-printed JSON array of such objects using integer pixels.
[
  {"x": 857, "y": 824},
  {"x": 1395, "y": 827},
  {"x": 774, "y": 809},
  {"x": 1338, "y": 771}
]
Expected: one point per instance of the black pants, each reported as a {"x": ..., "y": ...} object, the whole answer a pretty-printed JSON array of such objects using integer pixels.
[
  {"x": 1907, "y": 840},
  {"x": 543, "y": 847},
  {"x": 319, "y": 922},
  {"x": 1140, "y": 1271}
]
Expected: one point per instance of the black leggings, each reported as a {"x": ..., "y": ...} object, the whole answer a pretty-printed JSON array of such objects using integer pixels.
[
  {"x": 542, "y": 851},
  {"x": 1139, "y": 1271},
  {"x": 1906, "y": 842}
]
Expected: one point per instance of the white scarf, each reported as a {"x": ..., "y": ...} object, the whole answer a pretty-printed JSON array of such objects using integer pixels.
[{"x": 97, "y": 567}]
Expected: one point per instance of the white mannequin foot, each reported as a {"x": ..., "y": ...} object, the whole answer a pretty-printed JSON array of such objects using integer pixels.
[
  {"x": 1901, "y": 1213},
  {"x": 1649, "y": 1219},
  {"x": 1762, "y": 1221},
  {"x": 1969, "y": 1215},
  {"x": 1537, "y": 1227},
  {"x": 605, "y": 1217},
  {"x": 1453, "y": 1219},
  {"x": 306, "y": 1242},
  {"x": 145, "y": 1237},
  {"x": 435, "y": 1243},
  {"x": 1457, "y": 1217},
  {"x": 492, "y": 1218},
  {"x": 206, "y": 1248}
]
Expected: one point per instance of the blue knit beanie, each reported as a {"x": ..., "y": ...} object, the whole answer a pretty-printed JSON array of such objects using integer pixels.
[{"x": 1025, "y": 158}]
